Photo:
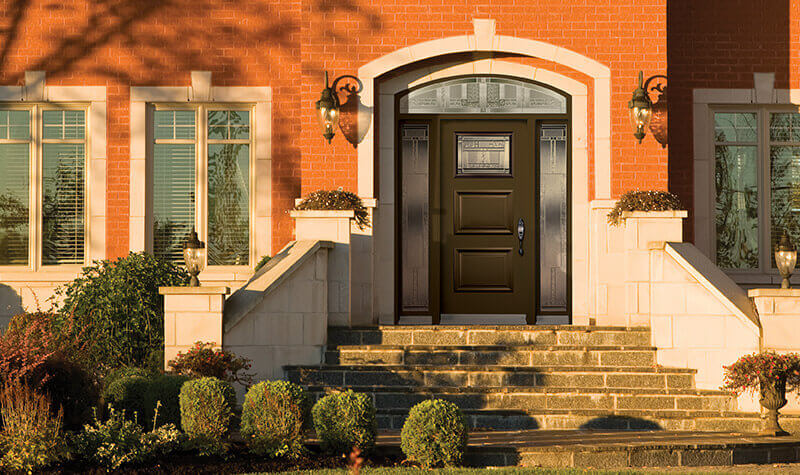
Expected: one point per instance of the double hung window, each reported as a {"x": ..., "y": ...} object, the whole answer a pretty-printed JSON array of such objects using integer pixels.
[
  {"x": 42, "y": 185},
  {"x": 201, "y": 180},
  {"x": 757, "y": 182}
]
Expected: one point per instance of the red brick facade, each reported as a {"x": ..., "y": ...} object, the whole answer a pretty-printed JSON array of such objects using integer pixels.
[{"x": 287, "y": 44}]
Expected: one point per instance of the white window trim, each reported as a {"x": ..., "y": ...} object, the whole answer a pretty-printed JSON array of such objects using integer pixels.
[
  {"x": 93, "y": 100},
  {"x": 706, "y": 103},
  {"x": 260, "y": 99}
]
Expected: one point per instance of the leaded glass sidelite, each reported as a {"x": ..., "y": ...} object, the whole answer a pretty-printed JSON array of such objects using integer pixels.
[
  {"x": 483, "y": 95},
  {"x": 736, "y": 179},
  {"x": 415, "y": 219},
  {"x": 784, "y": 154},
  {"x": 228, "y": 187},
  {"x": 14, "y": 186},
  {"x": 174, "y": 160},
  {"x": 553, "y": 218},
  {"x": 63, "y": 168}
]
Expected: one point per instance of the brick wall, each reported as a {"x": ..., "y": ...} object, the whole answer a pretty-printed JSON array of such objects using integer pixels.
[{"x": 286, "y": 44}]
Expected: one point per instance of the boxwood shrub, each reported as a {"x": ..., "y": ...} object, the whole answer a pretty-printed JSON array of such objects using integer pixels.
[
  {"x": 273, "y": 417},
  {"x": 207, "y": 413},
  {"x": 345, "y": 420},
  {"x": 435, "y": 434}
]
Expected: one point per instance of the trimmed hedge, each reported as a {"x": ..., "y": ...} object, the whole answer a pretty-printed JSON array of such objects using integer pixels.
[
  {"x": 207, "y": 412},
  {"x": 435, "y": 434},
  {"x": 135, "y": 391},
  {"x": 273, "y": 417},
  {"x": 345, "y": 420}
]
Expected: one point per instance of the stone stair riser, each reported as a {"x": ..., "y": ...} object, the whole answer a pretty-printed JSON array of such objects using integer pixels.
[{"x": 520, "y": 357}]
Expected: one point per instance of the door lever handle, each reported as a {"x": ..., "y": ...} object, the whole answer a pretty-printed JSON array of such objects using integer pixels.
[{"x": 521, "y": 234}]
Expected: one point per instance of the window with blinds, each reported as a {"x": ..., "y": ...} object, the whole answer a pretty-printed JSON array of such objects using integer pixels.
[
  {"x": 63, "y": 172},
  {"x": 228, "y": 224},
  {"x": 15, "y": 150},
  {"x": 174, "y": 168}
]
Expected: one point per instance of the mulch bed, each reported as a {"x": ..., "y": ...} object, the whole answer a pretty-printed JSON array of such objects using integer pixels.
[{"x": 238, "y": 460}]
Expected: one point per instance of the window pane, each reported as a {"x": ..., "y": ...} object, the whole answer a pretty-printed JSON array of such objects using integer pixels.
[
  {"x": 735, "y": 127},
  {"x": 173, "y": 198},
  {"x": 737, "y": 206},
  {"x": 174, "y": 124},
  {"x": 14, "y": 202},
  {"x": 414, "y": 218},
  {"x": 229, "y": 124},
  {"x": 785, "y": 199},
  {"x": 64, "y": 124},
  {"x": 63, "y": 208},
  {"x": 553, "y": 218},
  {"x": 228, "y": 204}
]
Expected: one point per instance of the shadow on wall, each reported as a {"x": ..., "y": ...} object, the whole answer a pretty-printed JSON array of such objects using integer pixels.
[
  {"x": 10, "y": 305},
  {"x": 620, "y": 423}
]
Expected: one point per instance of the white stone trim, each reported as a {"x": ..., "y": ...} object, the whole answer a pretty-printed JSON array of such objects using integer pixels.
[
  {"x": 383, "y": 261},
  {"x": 261, "y": 182}
]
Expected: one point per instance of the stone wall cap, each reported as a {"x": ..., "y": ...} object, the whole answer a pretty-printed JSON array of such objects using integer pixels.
[
  {"x": 368, "y": 202},
  {"x": 322, "y": 213},
  {"x": 773, "y": 292},
  {"x": 655, "y": 214},
  {"x": 208, "y": 290}
]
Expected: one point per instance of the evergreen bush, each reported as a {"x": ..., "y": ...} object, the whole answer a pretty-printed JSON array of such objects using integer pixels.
[
  {"x": 643, "y": 200},
  {"x": 344, "y": 421},
  {"x": 435, "y": 434},
  {"x": 274, "y": 414},
  {"x": 207, "y": 412}
]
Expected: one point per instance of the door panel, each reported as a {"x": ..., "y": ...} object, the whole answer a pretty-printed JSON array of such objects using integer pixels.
[{"x": 487, "y": 183}]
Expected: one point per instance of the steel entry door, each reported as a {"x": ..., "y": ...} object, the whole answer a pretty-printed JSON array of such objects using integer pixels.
[{"x": 487, "y": 219}]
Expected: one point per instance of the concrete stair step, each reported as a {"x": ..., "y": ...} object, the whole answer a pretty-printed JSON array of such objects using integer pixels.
[
  {"x": 546, "y": 399},
  {"x": 597, "y": 419},
  {"x": 490, "y": 375},
  {"x": 525, "y": 389},
  {"x": 490, "y": 335},
  {"x": 508, "y": 355}
]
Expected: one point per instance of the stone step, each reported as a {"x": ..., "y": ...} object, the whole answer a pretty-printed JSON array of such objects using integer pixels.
[
  {"x": 596, "y": 419},
  {"x": 490, "y": 375},
  {"x": 528, "y": 399},
  {"x": 491, "y": 335},
  {"x": 535, "y": 355}
]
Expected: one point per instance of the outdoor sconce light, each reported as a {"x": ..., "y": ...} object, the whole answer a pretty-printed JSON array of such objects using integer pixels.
[
  {"x": 785, "y": 258},
  {"x": 194, "y": 255},
  {"x": 645, "y": 113},
  {"x": 332, "y": 113}
]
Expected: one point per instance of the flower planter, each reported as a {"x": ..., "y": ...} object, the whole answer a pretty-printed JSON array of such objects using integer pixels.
[{"x": 773, "y": 397}]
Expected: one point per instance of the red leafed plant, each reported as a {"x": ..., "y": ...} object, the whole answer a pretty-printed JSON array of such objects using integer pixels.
[
  {"x": 746, "y": 374},
  {"x": 203, "y": 360}
]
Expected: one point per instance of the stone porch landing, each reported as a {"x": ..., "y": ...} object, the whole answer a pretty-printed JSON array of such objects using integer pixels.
[{"x": 615, "y": 449}]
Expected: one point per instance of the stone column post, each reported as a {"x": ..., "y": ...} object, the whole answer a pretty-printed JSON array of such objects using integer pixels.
[{"x": 191, "y": 314}]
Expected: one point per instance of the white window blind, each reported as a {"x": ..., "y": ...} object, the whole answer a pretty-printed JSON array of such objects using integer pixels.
[
  {"x": 14, "y": 186},
  {"x": 174, "y": 165},
  {"x": 63, "y": 166}
]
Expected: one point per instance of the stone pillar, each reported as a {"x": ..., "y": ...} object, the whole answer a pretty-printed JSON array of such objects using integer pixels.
[
  {"x": 334, "y": 226},
  {"x": 192, "y": 314},
  {"x": 779, "y": 313}
]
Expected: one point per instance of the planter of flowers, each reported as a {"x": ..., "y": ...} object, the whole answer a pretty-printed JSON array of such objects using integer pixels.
[{"x": 771, "y": 375}]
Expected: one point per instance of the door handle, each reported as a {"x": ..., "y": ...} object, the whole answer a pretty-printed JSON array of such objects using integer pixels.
[{"x": 521, "y": 234}]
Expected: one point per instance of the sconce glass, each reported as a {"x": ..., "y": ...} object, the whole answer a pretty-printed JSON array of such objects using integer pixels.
[
  {"x": 643, "y": 110},
  {"x": 640, "y": 109},
  {"x": 194, "y": 256},
  {"x": 785, "y": 259},
  {"x": 329, "y": 107}
]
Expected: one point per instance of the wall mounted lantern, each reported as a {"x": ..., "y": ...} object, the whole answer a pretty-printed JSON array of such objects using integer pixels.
[
  {"x": 332, "y": 113},
  {"x": 194, "y": 256},
  {"x": 785, "y": 258},
  {"x": 645, "y": 113}
]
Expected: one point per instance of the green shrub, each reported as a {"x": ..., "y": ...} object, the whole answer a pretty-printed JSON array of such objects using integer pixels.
[
  {"x": 262, "y": 262},
  {"x": 31, "y": 438},
  {"x": 117, "y": 306},
  {"x": 139, "y": 393},
  {"x": 273, "y": 417},
  {"x": 336, "y": 200},
  {"x": 345, "y": 420},
  {"x": 637, "y": 200},
  {"x": 70, "y": 387},
  {"x": 166, "y": 389},
  {"x": 207, "y": 411},
  {"x": 119, "y": 441},
  {"x": 434, "y": 434},
  {"x": 129, "y": 395}
]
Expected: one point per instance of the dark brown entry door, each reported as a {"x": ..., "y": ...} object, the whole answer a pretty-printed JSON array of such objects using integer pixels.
[{"x": 487, "y": 217}]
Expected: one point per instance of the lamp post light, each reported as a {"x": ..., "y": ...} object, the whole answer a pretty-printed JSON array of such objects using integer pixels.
[
  {"x": 194, "y": 256},
  {"x": 785, "y": 259},
  {"x": 644, "y": 113},
  {"x": 329, "y": 109}
]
